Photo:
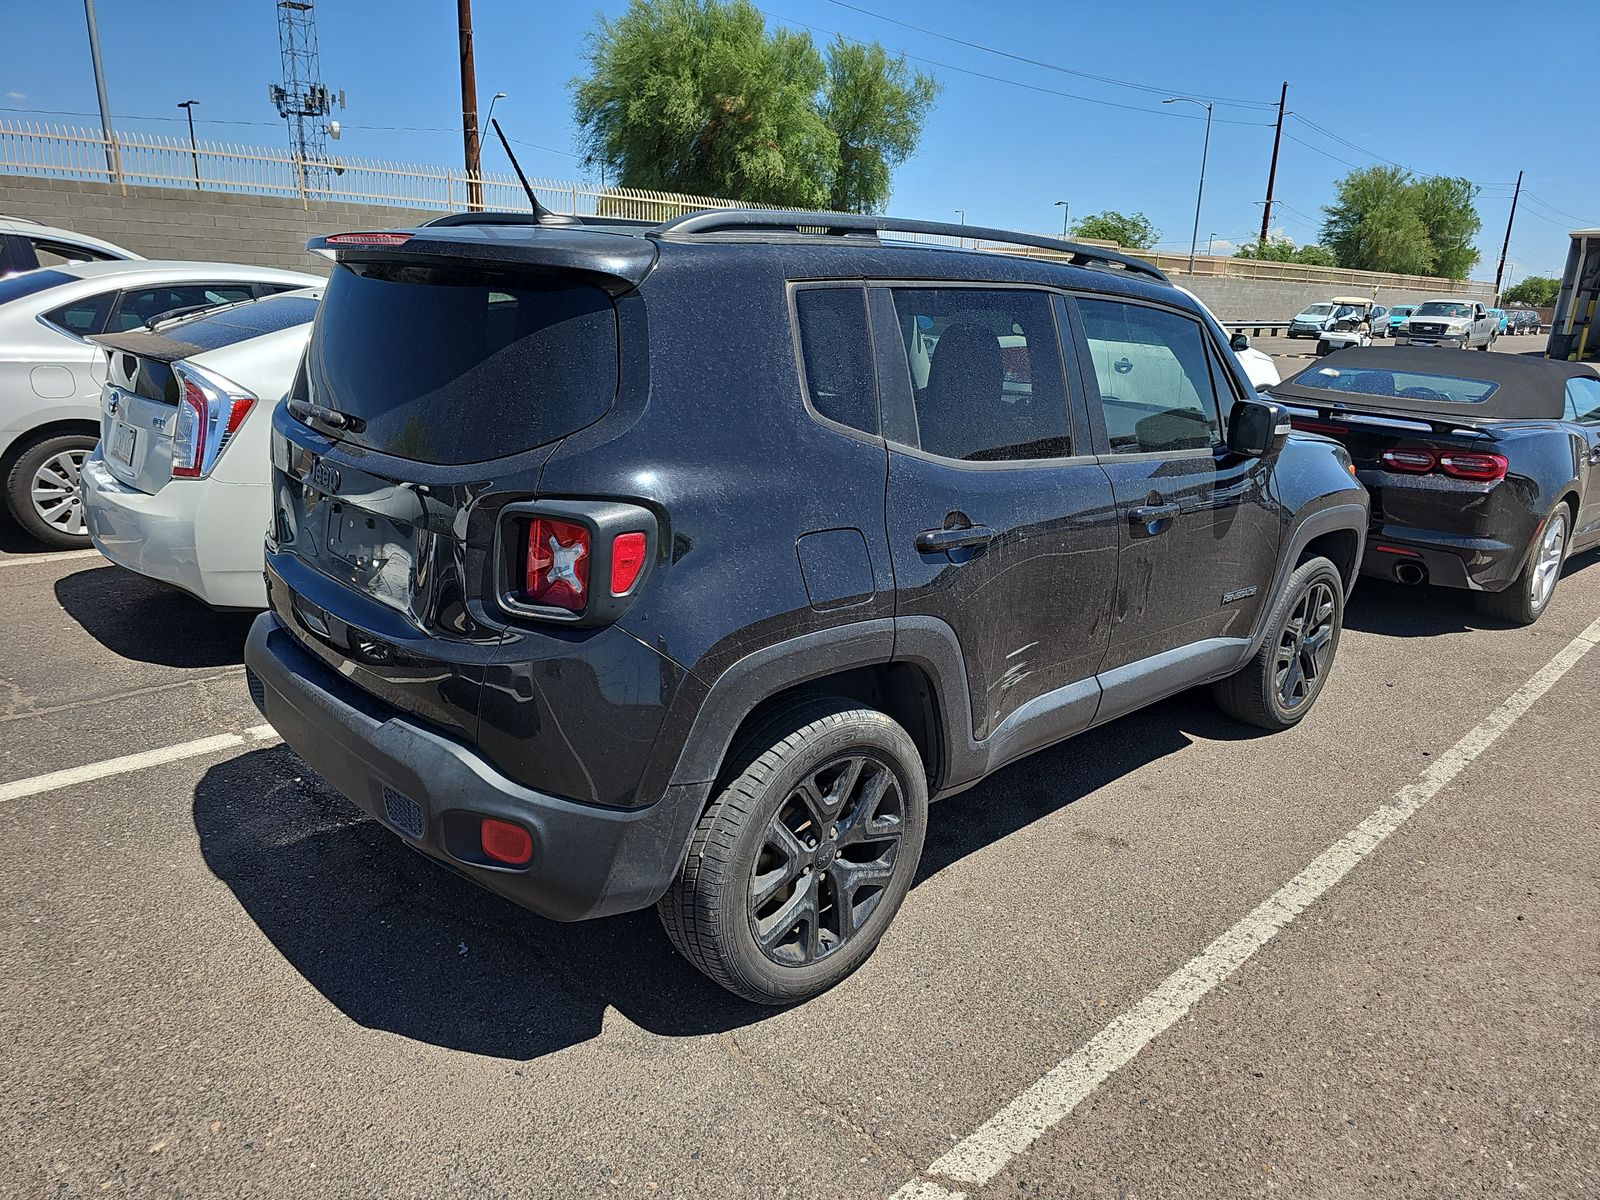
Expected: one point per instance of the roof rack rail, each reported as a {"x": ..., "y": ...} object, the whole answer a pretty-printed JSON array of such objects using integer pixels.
[{"x": 756, "y": 220}]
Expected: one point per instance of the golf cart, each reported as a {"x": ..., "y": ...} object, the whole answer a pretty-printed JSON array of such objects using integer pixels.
[{"x": 1351, "y": 324}]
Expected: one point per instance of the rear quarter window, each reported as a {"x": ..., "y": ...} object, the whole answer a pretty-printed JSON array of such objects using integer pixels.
[{"x": 836, "y": 354}]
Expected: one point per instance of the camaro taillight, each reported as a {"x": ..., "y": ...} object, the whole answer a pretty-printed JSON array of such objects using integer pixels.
[
  {"x": 1416, "y": 462},
  {"x": 210, "y": 412},
  {"x": 1484, "y": 468},
  {"x": 1460, "y": 464}
]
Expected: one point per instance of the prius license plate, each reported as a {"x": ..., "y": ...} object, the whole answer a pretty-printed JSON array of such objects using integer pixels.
[{"x": 123, "y": 437}]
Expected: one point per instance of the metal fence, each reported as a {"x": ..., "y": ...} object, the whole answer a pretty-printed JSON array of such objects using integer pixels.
[{"x": 60, "y": 152}]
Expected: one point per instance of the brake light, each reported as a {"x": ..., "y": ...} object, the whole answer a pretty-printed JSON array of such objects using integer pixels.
[
  {"x": 627, "y": 561},
  {"x": 557, "y": 570},
  {"x": 505, "y": 842},
  {"x": 1484, "y": 468},
  {"x": 210, "y": 412},
  {"x": 367, "y": 239},
  {"x": 1415, "y": 462}
]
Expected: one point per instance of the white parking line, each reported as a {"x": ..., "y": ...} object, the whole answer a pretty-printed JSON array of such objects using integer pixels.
[
  {"x": 21, "y": 788},
  {"x": 28, "y": 560},
  {"x": 984, "y": 1153}
]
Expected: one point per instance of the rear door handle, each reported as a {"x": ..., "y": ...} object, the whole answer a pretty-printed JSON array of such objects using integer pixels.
[
  {"x": 1151, "y": 520},
  {"x": 932, "y": 541}
]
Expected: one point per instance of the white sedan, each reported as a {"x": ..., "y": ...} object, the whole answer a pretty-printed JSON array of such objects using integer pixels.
[
  {"x": 50, "y": 376},
  {"x": 179, "y": 488}
]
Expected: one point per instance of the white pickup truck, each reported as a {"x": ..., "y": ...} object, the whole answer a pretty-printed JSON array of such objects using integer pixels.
[{"x": 1462, "y": 323}]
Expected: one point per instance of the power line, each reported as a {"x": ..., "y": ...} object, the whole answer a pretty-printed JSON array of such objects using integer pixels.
[
  {"x": 1032, "y": 87},
  {"x": 1540, "y": 200},
  {"x": 1049, "y": 66}
]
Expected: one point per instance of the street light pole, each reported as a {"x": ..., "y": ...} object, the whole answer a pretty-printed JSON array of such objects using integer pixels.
[
  {"x": 113, "y": 154},
  {"x": 1205, "y": 153},
  {"x": 1065, "y": 208},
  {"x": 194, "y": 151}
]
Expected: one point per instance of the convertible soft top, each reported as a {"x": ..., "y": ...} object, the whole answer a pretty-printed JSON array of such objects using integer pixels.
[{"x": 1526, "y": 388}]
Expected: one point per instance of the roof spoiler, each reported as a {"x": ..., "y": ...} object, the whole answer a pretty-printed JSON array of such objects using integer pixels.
[{"x": 845, "y": 225}]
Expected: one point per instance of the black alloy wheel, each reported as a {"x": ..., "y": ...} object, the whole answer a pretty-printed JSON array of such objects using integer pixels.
[
  {"x": 1305, "y": 646},
  {"x": 828, "y": 855}
]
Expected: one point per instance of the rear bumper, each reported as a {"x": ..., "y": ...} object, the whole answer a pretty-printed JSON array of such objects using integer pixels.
[
  {"x": 1450, "y": 560},
  {"x": 432, "y": 791},
  {"x": 201, "y": 535}
]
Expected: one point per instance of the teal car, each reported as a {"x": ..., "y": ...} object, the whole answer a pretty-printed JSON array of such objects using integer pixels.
[
  {"x": 1397, "y": 316},
  {"x": 1499, "y": 314}
]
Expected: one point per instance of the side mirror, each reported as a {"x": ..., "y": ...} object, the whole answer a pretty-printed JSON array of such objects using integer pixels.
[
  {"x": 1240, "y": 341},
  {"x": 1257, "y": 428}
]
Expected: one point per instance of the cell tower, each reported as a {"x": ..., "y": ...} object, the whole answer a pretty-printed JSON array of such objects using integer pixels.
[{"x": 302, "y": 99}]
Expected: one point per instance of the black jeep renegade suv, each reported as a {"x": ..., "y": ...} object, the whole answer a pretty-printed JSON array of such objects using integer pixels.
[{"x": 616, "y": 565}]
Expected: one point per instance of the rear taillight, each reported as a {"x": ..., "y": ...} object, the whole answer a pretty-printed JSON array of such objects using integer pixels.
[
  {"x": 578, "y": 561},
  {"x": 557, "y": 571},
  {"x": 210, "y": 412},
  {"x": 1480, "y": 468},
  {"x": 505, "y": 843},
  {"x": 1484, "y": 468},
  {"x": 1416, "y": 462}
]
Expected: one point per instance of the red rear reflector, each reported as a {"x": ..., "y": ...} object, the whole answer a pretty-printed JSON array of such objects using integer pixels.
[
  {"x": 1311, "y": 426},
  {"x": 1397, "y": 550},
  {"x": 367, "y": 239},
  {"x": 627, "y": 561},
  {"x": 557, "y": 573},
  {"x": 1416, "y": 462},
  {"x": 506, "y": 843},
  {"x": 1484, "y": 468}
]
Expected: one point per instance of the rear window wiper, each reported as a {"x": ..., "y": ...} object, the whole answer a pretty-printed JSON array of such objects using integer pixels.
[{"x": 328, "y": 416}]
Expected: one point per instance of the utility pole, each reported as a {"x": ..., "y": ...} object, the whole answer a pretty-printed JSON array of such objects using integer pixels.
[
  {"x": 1272, "y": 171},
  {"x": 113, "y": 154},
  {"x": 194, "y": 150},
  {"x": 1506, "y": 245},
  {"x": 469, "y": 109}
]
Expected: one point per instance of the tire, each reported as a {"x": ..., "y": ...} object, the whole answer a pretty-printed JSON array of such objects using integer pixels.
[
  {"x": 763, "y": 813},
  {"x": 1255, "y": 694},
  {"x": 51, "y": 465},
  {"x": 1523, "y": 602}
]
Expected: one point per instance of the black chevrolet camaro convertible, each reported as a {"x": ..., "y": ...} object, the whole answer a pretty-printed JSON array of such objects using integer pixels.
[{"x": 1484, "y": 469}]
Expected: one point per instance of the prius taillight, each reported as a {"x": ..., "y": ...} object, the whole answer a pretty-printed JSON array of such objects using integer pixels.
[{"x": 210, "y": 412}]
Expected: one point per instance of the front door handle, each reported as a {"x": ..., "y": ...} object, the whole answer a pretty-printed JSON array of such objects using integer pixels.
[
  {"x": 933, "y": 541},
  {"x": 1152, "y": 520}
]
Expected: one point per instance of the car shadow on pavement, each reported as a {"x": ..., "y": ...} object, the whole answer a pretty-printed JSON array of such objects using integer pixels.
[
  {"x": 1395, "y": 610},
  {"x": 401, "y": 944},
  {"x": 141, "y": 619}
]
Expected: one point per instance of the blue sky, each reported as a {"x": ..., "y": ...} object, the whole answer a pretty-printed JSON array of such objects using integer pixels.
[{"x": 1368, "y": 83}]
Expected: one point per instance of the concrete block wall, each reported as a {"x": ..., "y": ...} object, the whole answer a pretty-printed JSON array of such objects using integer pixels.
[
  {"x": 1233, "y": 299},
  {"x": 204, "y": 226}
]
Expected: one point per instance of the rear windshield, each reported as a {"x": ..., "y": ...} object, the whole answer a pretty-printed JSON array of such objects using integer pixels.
[
  {"x": 1398, "y": 385},
  {"x": 30, "y": 283},
  {"x": 1443, "y": 308},
  {"x": 453, "y": 365}
]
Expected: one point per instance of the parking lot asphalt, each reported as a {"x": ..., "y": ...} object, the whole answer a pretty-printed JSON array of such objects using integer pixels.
[{"x": 218, "y": 979}]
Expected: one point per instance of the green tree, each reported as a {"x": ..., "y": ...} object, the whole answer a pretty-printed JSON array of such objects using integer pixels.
[
  {"x": 1536, "y": 291},
  {"x": 698, "y": 96},
  {"x": 1131, "y": 231},
  {"x": 1382, "y": 219},
  {"x": 875, "y": 105},
  {"x": 1281, "y": 249},
  {"x": 1446, "y": 207}
]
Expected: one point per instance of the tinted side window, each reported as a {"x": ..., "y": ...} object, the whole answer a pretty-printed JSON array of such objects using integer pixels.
[
  {"x": 84, "y": 316},
  {"x": 985, "y": 368},
  {"x": 140, "y": 304},
  {"x": 1155, "y": 377},
  {"x": 837, "y": 354},
  {"x": 1583, "y": 400},
  {"x": 53, "y": 254}
]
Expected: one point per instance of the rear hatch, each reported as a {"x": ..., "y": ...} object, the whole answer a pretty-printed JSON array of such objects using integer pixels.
[
  {"x": 441, "y": 373},
  {"x": 139, "y": 402}
]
